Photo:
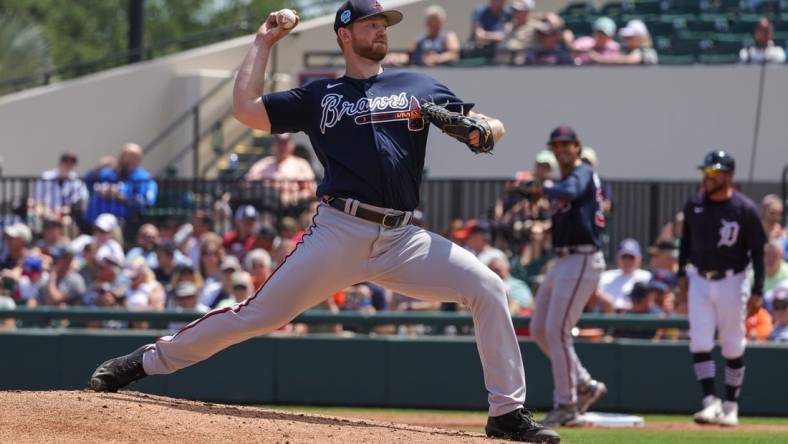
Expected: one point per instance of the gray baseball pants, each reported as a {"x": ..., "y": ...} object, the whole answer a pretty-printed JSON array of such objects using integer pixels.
[
  {"x": 340, "y": 250},
  {"x": 566, "y": 288}
]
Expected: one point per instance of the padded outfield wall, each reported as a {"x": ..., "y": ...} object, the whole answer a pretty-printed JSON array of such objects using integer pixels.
[{"x": 428, "y": 372}]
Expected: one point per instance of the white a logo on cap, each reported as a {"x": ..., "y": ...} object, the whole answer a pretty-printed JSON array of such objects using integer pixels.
[{"x": 345, "y": 17}]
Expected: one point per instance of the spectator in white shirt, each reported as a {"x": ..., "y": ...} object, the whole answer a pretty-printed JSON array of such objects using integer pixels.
[
  {"x": 60, "y": 189},
  {"x": 616, "y": 285},
  {"x": 764, "y": 50}
]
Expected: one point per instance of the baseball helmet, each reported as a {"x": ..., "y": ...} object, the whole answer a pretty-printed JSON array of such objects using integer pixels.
[{"x": 718, "y": 160}]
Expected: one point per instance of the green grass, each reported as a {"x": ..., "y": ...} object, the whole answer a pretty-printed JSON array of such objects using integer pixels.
[
  {"x": 598, "y": 435},
  {"x": 636, "y": 436}
]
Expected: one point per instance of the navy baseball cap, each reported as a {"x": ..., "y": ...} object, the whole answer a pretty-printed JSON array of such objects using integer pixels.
[
  {"x": 353, "y": 10},
  {"x": 563, "y": 133}
]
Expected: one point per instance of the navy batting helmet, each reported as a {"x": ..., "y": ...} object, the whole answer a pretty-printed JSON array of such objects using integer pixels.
[{"x": 718, "y": 160}]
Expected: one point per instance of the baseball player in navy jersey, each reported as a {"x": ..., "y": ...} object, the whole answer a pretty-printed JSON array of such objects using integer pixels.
[
  {"x": 722, "y": 236},
  {"x": 577, "y": 224},
  {"x": 369, "y": 135}
]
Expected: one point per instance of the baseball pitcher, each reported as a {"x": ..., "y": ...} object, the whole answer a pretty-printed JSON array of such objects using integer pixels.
[{"x": 369, "y": 129}]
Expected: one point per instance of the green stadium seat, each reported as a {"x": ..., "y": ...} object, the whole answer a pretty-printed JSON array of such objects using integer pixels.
[
  {"x": 578, "y": 25},
  {"x": 708, "y": 23},
  {"x": 643, "y": 7},
  {"x": 659, "y": 27},
  {"x": 678, "y": 21},
  {"x": 689, "y": 6},
  {"x": 616, "y": 8},
  {"x": 768, "y": 7},
  {"x": 724, "y": 45},
  {"x": 725, "y": 6},
  {"x": 577, "y": 9},
  {"x": 744, "y": 23}
]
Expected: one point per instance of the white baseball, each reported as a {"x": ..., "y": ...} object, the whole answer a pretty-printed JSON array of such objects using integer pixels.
[{"x": 287, "y": 18}]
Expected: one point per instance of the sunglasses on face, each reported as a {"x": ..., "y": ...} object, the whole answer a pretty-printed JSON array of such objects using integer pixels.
[
  {"x": 711, "y": 172},
  {"x": 780, "y": 305}
]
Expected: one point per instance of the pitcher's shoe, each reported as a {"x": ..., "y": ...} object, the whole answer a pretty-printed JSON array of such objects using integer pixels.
[
  {"x": 563, "y": 415},
  {"x": 711, "y": 412},
  {"x": 518, "y": 425},
  {"x": 730, "y": 414},
  {"x": 118, "y": 372},
  {"x": 588, "y": 394}
]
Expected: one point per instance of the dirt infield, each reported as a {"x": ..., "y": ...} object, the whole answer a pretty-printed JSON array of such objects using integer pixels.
[{"x": 34, "y": 417}]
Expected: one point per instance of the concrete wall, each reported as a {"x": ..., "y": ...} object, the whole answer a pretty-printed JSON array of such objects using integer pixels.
[{"x": 646, "y": 122}]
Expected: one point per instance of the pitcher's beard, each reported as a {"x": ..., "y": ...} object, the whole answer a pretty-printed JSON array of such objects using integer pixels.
[{"x": 374, "y": 52}]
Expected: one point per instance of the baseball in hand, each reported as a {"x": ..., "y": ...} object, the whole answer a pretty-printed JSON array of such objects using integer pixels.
[{"x": 286, "y": 18}]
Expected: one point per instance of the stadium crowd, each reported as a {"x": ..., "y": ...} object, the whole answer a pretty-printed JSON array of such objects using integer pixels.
[
  {"x": 73, "y": 252},
  {"x": 513, "y": 32}
]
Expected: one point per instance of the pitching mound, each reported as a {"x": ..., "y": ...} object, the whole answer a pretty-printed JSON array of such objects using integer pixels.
[{"x": 33, "y": 417}]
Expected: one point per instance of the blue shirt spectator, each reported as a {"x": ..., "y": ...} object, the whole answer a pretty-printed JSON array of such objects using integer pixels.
[
  {"x": 123, "y": 191},
  {"x": 488, "y": 23}
]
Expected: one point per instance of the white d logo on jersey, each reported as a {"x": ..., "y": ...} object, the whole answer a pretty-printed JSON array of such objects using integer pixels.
[{"x": 728, "y": 233}]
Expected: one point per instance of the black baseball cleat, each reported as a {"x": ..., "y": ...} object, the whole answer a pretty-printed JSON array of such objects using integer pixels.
[
  {"x": 518, "y": 425},
  {"x": 118, "y": 372}
]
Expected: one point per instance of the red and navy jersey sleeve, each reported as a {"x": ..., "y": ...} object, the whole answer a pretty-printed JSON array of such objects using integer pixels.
[{"x": 288, "y": 111}]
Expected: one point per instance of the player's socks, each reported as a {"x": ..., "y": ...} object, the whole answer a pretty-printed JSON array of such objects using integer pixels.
[
  {"x": 734, "y": 376},
  {"x": 704, "y": 372}
]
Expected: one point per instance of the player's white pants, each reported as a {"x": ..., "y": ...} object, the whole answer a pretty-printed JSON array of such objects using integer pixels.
[
  {"x": 340, "y": 250},
  {"x": 718, "y": 305},
  {"x": 564, "y": 292}
]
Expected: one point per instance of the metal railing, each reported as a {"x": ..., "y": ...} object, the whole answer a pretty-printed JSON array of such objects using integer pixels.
[
  {"x": 348, "y": 318},
  {"x": 639, "y": 209}
]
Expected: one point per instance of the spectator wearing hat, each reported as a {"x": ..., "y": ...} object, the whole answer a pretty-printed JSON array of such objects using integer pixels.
[
  {"x": 17, "y": 239},
  {"x": 106, "y": 235},
  {"x": 519, "y": 33},
  {"x": 436, "y": 46},
  {"x": 123, "y": 191},
  {"x": 107, "y": 296},
  {"x": 147, "y": 237},
  {"x": 241, "y": 289},
  {"x": 638, "y": 45},
  {"x": 64, "y": 285},
  {"x": 545, "y": 166},
  {"x": 33, "y": 276},
  {"x": 291, "y": 175},
  {"x": 642, "y": 296},
  {"x": 616, "y": 285},
  {"x": 52, "y": 234},
  {"x": 764, "y": 50},
  {"x": 478, "y": 242},
  {"x": 488, "y": 23},
  {"x": 240, "y": 241},
  {"x": 185, "y": 273},
  {"x": 549, "y": 48},
  {"x": 186, "y": 298},
  {"x": 780, "y": 305},
  {"x": 107, "y": 272},
  {"x": 60, "y": 191},
  {"x": 601, "y": 43},
  {"x": 267, "y": 238},
  {"x": 229, "y": 266}
]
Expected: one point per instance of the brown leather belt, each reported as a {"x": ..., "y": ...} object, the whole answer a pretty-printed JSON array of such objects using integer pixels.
[{"x": 387, "y": 220}]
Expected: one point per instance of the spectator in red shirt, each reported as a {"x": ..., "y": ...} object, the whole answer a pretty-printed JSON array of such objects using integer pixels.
[{"x": 240, "y": 241}]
